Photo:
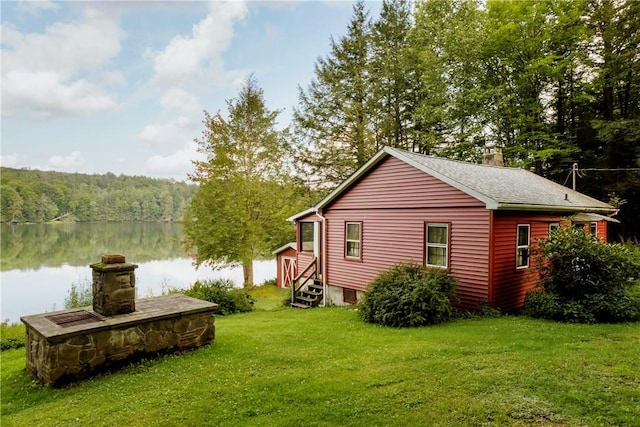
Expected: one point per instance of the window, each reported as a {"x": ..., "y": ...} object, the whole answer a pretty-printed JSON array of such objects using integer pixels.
[
  {"x": 353, "y": 240},
  {"x": 593, "y": 228},
  {"x": 437, "y": 245},
  {"x": 522, "y": 247},
  {"x": 306, "y": 236},
  {"x": 350, "y": 296},
  {"x": 553, "y": 226}
]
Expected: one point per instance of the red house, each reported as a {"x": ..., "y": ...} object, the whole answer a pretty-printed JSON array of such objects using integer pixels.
[{"x": 479, "y": 221}]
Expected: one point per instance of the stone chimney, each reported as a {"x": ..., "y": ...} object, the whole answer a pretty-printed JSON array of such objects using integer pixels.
[
  {"x": 114, "y": 286},
  {"x": 492, "y": 156}
]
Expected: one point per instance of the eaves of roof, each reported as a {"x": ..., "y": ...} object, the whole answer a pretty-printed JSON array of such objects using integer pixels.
[{"x": 499, "y": 188}]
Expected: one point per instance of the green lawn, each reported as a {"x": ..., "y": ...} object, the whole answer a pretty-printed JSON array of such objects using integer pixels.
[{"x": 325, "y": 367}]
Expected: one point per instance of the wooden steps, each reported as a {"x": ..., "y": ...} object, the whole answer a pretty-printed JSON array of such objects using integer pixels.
[{"x": 309, "y": 296}]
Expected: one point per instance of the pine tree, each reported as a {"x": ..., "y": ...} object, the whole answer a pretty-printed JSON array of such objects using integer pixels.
[
  {"x": 239, "y": 212},
  {"x": 394, "y": 77},
  {"x": 333, "y": 119}
]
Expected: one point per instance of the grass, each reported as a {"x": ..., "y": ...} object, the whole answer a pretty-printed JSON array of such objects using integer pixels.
[
  {"x": 324, "y": 367},
  {"x": 269, "y": 297}
]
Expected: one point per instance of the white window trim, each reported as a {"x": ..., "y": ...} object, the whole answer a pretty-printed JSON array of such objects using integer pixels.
[
  {"x": 315, "y": 239},
  {"x": 527, "y": 246},
  {"x": 437, "y": 245},
  {"x": 347, "y": 240}
]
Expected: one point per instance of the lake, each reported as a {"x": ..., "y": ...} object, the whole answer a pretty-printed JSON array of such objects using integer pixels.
[{"x": 40, "y": 262}]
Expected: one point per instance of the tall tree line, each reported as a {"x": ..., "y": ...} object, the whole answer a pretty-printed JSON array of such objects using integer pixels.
[
  {"x": 551, "y": 82},
  {"x": 39, "y": 196}
]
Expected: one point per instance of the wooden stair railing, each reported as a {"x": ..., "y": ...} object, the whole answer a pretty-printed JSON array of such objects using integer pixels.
[{"x": 313, "y": 293}]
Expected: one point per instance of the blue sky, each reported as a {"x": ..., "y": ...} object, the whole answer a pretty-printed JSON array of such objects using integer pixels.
[{"x": 119, "y": 86}]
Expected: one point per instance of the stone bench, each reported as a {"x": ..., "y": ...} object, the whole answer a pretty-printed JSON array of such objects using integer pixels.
[{"x": 67, "y": 345}]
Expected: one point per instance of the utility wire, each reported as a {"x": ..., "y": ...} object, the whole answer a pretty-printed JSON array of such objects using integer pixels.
[{"x": 612, "y": 169}]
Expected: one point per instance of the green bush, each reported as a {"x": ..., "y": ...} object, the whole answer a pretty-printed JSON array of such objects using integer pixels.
[
  {"x": 583, "y": 280},
  {"x": 222, "y": 292},
  {"x": 80, "y": 295},
  {"x": 409, "y": 295},
  {"x": 11, "y": 335}
]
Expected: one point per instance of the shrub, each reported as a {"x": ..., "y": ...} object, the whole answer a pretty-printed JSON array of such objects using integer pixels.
[
  {"x": 80, "y": 295},
  {"x": 409, "y": 295},
  {"x": 584, "y": 280},
  {"x": 222, "y": 292},
  {"x": 11, "y": 335}
]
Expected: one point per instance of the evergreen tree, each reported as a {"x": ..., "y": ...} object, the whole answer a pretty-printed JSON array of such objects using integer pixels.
[
  {"x": 394, "y": 77},
  {"x": 239, "y": 212},
  {"x": 333, "y": 118},
  {"x": 448, "y": 39}
]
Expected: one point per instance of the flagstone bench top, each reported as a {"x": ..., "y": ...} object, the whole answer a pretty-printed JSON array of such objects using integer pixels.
[{"x": 147, "y": 310}]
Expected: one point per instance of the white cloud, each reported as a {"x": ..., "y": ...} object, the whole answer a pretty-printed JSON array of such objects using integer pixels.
[
  {"x": 199, "y": 53},
  {"x": 114, "y": 77},
  {"x": 181, "y": 100},
  {"x": 13, "y": 160},
  {"x": 66, "y": 162},
  {"x": 177, "y": 164},
  {"x": 174, "y": 132},
  {"x": 33, "y": 7},
  {"x": 50, "y": 73},
  {"x": 48, "y": 97}
]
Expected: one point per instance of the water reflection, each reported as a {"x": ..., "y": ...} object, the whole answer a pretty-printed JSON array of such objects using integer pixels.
[
  {"x": 40, "y": 262},
  {"x": 29, "y": 246}
]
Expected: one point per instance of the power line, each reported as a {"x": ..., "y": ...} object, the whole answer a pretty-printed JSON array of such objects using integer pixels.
[
  {"x": 610, "y": 169},
  {"x": 576, "y": 171}
]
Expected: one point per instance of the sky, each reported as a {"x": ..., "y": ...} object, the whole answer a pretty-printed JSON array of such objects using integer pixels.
[{"x": 121, "y": 86}]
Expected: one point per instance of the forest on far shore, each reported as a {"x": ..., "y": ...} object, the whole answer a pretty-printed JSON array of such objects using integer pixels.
[{"x": 28, "y": 195}]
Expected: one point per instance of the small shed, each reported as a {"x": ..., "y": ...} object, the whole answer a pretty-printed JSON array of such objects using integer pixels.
[{"x": 286, "y": 257}]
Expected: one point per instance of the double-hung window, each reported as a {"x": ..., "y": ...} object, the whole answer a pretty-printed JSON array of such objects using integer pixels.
[
  {"x": 353, "y": 240},
  {"x": 522, "y": 246},
  {"x": 306, "y": 237},
  {"x": 437, "y": 245}
]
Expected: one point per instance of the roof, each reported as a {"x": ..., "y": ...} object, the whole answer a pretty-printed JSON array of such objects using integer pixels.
[
  {"x": 592, "y": 217},
  {"x": 291, "y": 245},
  {"x": 499, "y": 187}
]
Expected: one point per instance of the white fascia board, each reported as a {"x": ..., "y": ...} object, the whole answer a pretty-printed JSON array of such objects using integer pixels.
[
  {"x": 547, "y": 208},
  {"x": 301, "y": 214}
]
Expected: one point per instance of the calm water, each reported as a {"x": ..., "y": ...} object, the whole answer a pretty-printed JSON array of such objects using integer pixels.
[{"x": 39, "y": 262}]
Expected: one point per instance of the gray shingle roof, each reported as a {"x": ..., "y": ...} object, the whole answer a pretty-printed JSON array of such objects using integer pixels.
[
  {"x": 503, "y": 187},
  {"x": 500, "y": 188}
]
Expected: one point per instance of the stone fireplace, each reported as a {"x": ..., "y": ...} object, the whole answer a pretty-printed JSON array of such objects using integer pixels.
[
  {"x": 67, "y": 345},
  {"x": 114, "y": 283}
]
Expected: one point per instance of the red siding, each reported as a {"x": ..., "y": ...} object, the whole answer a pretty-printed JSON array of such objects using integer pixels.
[
  {"x": 390, "y": 236},
  {"x": 394, "y": 184},
  {"x": 601, "y": 230},
  {"x": 394, "y": 202},
  {"x": 510, "y": 284}
]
